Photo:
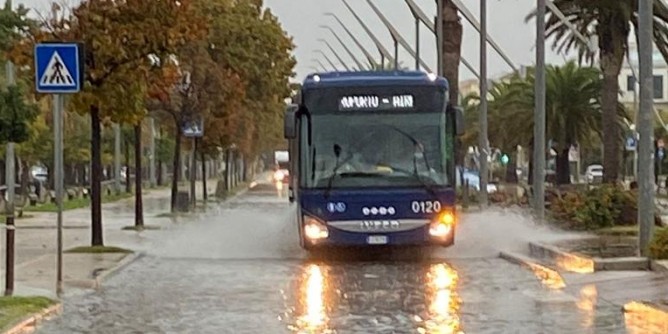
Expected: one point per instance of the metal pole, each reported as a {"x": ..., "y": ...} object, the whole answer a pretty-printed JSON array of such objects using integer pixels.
[
  {"x": 539, "y": 117},
  {"x": 645, "y": 128},
  {"x": 151, "y": 168},
  {"x": 193, "y": 170},
  {"x": 58, "y": 177},
  {"x": 635, "y": 128},
  {"x": 484, "y": 149},
  {"x": 117, "y": 157},
  {"x": 417, "y": 43},
  {"x": 10, "y": 180},
  {"x": 439, "y": 35},
  {"x": 396, "y": 55}
]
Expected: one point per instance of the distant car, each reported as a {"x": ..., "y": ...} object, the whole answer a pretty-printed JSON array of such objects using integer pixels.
[{"x": 594, "y": 174}]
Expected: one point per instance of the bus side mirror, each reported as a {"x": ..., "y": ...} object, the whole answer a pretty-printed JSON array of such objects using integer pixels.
[
  {"x": 458, "y": 115},
  {"x": 459, "y": 121},
  {"x": 290, "y": 123}
]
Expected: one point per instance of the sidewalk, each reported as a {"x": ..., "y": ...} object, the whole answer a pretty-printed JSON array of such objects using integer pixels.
[
  {"x": 567, "y": 276},
  {"x": 36, "y": 243}
]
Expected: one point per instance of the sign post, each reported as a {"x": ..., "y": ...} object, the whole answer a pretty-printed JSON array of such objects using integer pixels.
[
  {"x": 59, "y": 70},
  {"x": 193, "y": 128},
  {"x": 11, "y": 182}
]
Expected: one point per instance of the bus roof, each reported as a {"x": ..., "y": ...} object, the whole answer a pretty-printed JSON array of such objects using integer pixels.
[{"x": 373, "y": 78}]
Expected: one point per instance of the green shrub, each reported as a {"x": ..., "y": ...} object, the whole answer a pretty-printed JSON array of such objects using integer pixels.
[
  {"x": 658, "y": 248},
  {"x": 596, "y": 208}
]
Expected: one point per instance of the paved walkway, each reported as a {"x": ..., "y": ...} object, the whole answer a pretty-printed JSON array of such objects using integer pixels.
[{"x": 36, "y": 242}]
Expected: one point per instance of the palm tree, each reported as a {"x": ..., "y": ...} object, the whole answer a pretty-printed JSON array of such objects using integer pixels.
[
  {"x": 452, "y": 47},
  {"x": 573, "y": 108},
  {"x": 611, "y": 21}
]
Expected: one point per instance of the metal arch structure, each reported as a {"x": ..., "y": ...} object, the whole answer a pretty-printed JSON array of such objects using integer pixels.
[
  {"x": 367, "y": 54},
  {"x": 336, "y": 54},
  {"x": 472, "y": 20},
  {"x": 398, "y": 39},
  {"x": 383, "y": 51},
  {"x": 432, "y": 27},
  {"x": 331, "y": 63},
  {"x": 345, "y": 47}
]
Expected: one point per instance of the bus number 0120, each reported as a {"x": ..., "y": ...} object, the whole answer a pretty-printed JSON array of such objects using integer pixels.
[{"x": 426, "y": 206}]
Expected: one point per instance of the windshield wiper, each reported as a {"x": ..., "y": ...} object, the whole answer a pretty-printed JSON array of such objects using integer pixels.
[
  {"x": 418, "y": 147},
  {"x": 426, "y": 186},
  {"x": 337, "y": 153}
]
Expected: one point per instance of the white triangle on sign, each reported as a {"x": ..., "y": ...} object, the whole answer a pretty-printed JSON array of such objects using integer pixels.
[{"x": 56, "y": 73}]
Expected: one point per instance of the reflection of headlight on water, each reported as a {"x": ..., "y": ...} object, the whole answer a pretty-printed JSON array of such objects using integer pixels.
[
  {"x": 314, "y": 318},
  {"x": 444, "y": 302}
]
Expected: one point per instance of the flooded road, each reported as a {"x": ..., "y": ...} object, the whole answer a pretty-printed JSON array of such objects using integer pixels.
[{"x": 237, "y": 268}]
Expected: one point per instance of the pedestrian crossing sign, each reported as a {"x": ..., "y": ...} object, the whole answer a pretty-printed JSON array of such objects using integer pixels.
[{"x": 58, "y": 68}]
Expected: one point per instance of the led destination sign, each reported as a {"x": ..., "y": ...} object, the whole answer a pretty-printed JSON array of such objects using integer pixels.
[{"x": 374, "y": 102}]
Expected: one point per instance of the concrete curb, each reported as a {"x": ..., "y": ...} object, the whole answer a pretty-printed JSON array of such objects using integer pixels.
[
  {"x": 583, "y": 264},
  {"x": 659, "y": 267},
  {"x": 126, "y": 261},
  {"x": 31, "y": 321},
  {"x": 547, "y": 275},
  {"x": 47, "y": 227},
  {"x": 653, "y": 316}
]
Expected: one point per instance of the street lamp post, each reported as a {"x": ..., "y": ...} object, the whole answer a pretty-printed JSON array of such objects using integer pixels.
[
  {"x": 483, "y": 142},
  {"x": 539, "y": 117},
  {"x": 645, "y": 127},
  {"x": 439, "y": 35}
]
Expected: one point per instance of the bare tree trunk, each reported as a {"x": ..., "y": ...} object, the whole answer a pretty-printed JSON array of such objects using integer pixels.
[
  {"x": 128, "y": 180},
  {"x": 25, "y": 179},
  {"x": 176, "y": 167},
  {"x": 159, "y": 176},
  {"x": 452, "y": 48},
  {"x": 139, "y": 209},
  {"x": 96, "y": 177},
  {"x": 563, "y": 166},
  {"x": 205, "y": 196}
]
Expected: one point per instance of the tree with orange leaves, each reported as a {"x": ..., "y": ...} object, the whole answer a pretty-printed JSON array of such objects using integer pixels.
[{"x": 119, "y": 38}]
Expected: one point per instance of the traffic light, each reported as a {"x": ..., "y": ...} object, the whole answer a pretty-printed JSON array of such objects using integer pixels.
[{"x": 505, "y": 159}]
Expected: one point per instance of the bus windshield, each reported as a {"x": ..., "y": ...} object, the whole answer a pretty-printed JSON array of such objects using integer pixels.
[{"x": 377, "y": 150}]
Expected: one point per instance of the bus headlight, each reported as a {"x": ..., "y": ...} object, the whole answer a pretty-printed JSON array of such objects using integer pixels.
[
  {"x": 443, "y": 225},
  {"x": 314, "y": 229}
]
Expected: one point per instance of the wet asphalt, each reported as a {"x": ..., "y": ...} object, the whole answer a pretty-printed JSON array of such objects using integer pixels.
[{"x": 237, "y": 268}]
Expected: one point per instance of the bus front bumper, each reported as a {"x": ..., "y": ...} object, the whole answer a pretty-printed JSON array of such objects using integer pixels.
[{"x": 421, "y": 236}]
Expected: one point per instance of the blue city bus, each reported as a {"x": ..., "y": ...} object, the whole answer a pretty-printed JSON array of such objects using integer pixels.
[{"x": 373, "y": 159}]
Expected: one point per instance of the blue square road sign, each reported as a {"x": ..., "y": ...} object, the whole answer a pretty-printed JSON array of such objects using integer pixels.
[{"x": 58, "y": 68}]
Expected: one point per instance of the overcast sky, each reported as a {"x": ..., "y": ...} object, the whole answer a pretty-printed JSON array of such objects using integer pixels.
[
  {"x": 506, "y": 26},
  {"x": 302, "y": 18}
]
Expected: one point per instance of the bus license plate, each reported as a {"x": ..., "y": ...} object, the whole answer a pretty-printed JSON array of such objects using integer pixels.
[{"x": 376, "y": 239}]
